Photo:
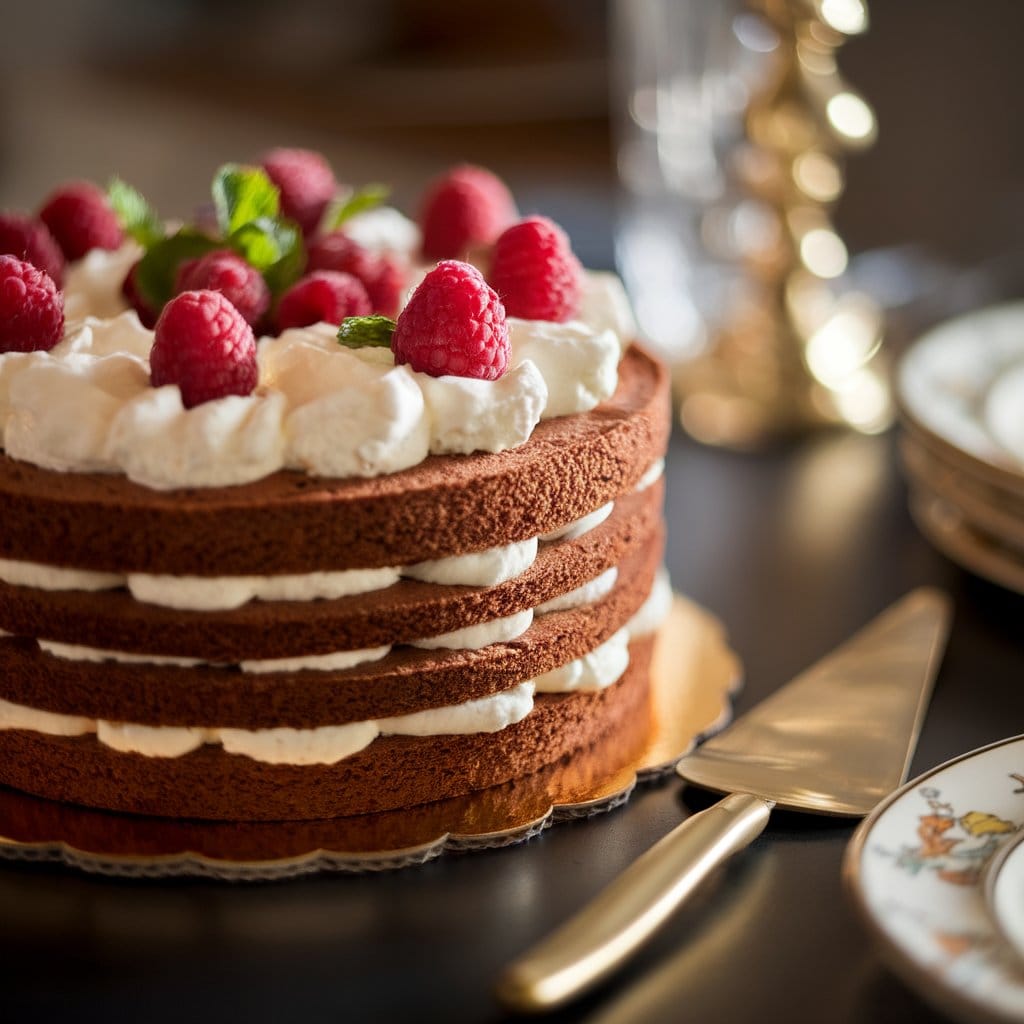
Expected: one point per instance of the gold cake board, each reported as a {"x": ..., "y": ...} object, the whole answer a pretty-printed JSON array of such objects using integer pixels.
[{"x": 693, "y": 675}]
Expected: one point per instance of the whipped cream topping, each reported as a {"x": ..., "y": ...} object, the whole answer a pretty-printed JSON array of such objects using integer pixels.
[
  {"x": 482, "y": 415},
  {"x": 579, "y": 365},
  {"x": 605, "y": 306},
  {"x": 92, "y": 285},
  {"x": 386, "y": 230},
  {"x": 88, "y": 406},
  {"x": 594, "y": 671}
]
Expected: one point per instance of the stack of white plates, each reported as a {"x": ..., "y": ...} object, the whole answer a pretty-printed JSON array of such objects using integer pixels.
[{"x": 960, "y": 391}]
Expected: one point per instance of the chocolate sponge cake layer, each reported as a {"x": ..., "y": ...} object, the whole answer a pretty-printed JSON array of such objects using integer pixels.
[
  {"x": 291, "y": 522},
  {"x": 392, "y": 772},
  {"x": 406, "y": 680},
  {"x": 408, "y": 610}
]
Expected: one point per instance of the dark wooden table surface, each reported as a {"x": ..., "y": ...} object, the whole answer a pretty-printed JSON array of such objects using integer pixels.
[{"x": 793, "y": 550}]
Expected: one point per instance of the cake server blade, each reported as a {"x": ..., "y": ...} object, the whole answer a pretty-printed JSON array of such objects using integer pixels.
[{"x": 835, "y": 740}]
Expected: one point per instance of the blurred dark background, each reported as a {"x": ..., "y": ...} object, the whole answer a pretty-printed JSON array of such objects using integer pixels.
[{"x": 161, "y": 91}]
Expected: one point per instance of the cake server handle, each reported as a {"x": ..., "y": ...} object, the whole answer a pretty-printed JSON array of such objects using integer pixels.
[{"x": 605, "y": 933}]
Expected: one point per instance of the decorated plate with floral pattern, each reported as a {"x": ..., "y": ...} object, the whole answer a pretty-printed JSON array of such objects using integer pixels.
[{"x": 917, "y": 868}]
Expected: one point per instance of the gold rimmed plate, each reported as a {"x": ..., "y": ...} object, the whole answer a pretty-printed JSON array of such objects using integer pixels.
[
  {"x": 916, "y": 870},
  {"x": 694, "y": 675}
]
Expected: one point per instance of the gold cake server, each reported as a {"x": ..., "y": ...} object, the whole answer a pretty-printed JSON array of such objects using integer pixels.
[{"x": 835, "y": 740}]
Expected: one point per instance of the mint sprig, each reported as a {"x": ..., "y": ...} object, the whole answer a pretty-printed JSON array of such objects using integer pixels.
[
  {"x": 274, "y": 247},
  {"x": 136, "y": 217},
  {"x": 366, "y": 331},
  {"x": 247, "y": 207},
  {"x": 242, "y": 195},
  {"x": 368, "y": 197},
  {"x": 157, "y": 270}
]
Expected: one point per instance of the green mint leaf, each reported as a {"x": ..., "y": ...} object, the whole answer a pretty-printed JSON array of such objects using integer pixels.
[
  {"x": 158, "y": 269},
  {"x": 134, "y": 214},
  {"x": 366, "y": 331},
  {"x": 273, "y": 247},
  {"x": 241, "y": 195},
  {"x": 366, "y": 198}
]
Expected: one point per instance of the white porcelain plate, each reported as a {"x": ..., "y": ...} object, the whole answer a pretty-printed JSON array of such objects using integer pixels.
[
  {"x": 963, "y": 383},
  {"x": 916, "y": 869}
]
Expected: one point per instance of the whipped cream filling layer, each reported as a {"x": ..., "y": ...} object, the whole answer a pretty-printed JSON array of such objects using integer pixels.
[
  {"x": 591, "y": 591},
  {"x": 570, "y": 531},
  {"x": 483, "y": 634},
  {"x": 469, "y": 638},
  {"x": 87, "y": 405},
  {"x": 474, "y": 637},
  {"x": 324, "y": 745},
  {"x": 594, "y": 671},
  {"x": 222, "y": 593},
  {"x": 485, "y": 568}
]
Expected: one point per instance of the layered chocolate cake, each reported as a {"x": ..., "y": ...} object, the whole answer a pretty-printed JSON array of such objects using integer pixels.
[{"x": 391, "y": 569}]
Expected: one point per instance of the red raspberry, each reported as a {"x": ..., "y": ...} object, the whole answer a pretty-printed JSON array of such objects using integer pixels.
[
  {"x": 467, "y": 207},
  {"x": 306, "y": 183},
  {"x": 80, "y": 218},
  {"x": 453, "y": 324},
  {"x": 385, "y": 290},
  {"x": 324, "y": 295},
  {"x": 383, "y": 275},
  {"x": 30, "y": 239},
  {"x": 31, "y": 307},
  {"x": 226, "y": 272},
  {"x": 203, "y": 345},
  {"x": 534, "y": 271},
  {"x": 130, "y": 290}
]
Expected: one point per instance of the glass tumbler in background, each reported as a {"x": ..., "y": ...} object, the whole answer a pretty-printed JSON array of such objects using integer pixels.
[
  {"x": 734, "y": 122},
  {"x": 683, "y": 71}
]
